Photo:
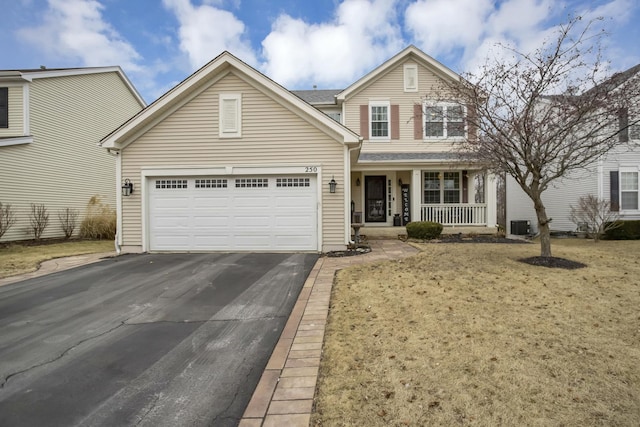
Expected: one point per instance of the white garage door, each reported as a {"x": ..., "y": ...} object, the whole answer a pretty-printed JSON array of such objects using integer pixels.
[{"x": 233, "y": 213}]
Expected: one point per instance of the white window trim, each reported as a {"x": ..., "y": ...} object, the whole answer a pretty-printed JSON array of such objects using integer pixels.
[
  {"x": 380, "y": 104},
  {"x": 237, "y": 132},
  {"x": 410, "y": 68},
  {"x": 444, "y": 105},
  {"x": 621, "y": 170}
]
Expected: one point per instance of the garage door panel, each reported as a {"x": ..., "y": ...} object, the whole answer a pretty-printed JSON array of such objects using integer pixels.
[{"x": 260, "y": 213}]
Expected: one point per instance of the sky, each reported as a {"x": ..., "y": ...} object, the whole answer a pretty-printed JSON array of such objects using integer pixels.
[{"x": 298, "y": 43}]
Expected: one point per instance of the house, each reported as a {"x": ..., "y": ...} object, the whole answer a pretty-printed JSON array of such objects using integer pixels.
[
  {"x": 51, "y": 121},
  {"x": 613, "y": 178},
  {"x": 230, "y": 160}
]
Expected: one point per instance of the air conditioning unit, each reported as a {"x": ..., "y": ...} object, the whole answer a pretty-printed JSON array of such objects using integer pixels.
[{"x": 521, "y": 228}]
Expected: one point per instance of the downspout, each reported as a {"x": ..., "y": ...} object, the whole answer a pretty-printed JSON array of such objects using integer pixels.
[{"x": 118, "y": 200}]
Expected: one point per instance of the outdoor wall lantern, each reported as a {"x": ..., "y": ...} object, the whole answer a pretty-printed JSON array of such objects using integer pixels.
[
  {"x": 332, "y": 185},
  {"x": 357, "y": 182},
  {"x": 127, "y": 187}
]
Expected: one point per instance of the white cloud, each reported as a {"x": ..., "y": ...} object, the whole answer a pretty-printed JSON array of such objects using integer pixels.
[
  {"x": 440, "y": 26},
  {"x": 362, "y": 34},
  {"x": 75, "y": 29},
  {"x": 206, "y": 31}
]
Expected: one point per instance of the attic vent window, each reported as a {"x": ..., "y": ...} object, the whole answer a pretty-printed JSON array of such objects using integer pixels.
[
  {"x": 410, "y": 78},
  {"x": 230, "y": 115}
]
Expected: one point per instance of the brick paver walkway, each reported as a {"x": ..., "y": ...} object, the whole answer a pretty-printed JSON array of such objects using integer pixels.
[{"x": 284, "y": 395}]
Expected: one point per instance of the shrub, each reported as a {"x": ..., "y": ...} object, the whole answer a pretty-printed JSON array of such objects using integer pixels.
[
  {"x": 7, "y": 218},
  {"x": 624, "y": 230},
  {"x": 425, "y": 230},
  {"x": 595, "y": 215},
  {"x": 68, "y": 220},
  {"x": 39, "y": 219},
  {"x": 99, "y": 221}
]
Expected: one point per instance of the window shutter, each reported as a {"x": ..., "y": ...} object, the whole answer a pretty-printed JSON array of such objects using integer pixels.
[
  {"x": 364, "y": 121},
  {"x": 472, "y": 129},
  {"x": 229, "y": 115},
  {"x": 395, "y": 121},
  {"x": 4, "y": 107},
  {"x": 417, "y": 122},
  {"x": 465, "y": 187},
  {"x": 614, "y": 187},
  {"x": 623, "y": 125}
]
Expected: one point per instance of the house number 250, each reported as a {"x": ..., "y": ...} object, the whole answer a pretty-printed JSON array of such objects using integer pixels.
[{"x": 311, "y": 169}]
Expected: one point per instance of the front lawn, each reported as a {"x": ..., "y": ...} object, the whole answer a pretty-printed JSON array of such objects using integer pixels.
[
  {"x": 16, "y": 258},
  {"x": 464, "y": 334}
]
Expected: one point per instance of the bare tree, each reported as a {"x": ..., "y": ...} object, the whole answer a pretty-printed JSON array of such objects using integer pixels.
[
  {"x": 39, "y": 219},
  {"x": 68, "y": 221},
  {"x": 534, "y": 118},
  {"x": 7, "y": 218},
  {"x": 596, "y": 214}
]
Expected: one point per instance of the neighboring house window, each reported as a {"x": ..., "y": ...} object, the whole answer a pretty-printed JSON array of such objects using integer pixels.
[
  {"x": 410, "y": 78},
  {"x": 4, "y": 107},
  {"x": 634, "y": 131},
  {"x": 629, "y": 190},
  {"x": 444, "y": 121},
  {"x": 230, "y": 115},
  {"x": 379, "y": 120}
]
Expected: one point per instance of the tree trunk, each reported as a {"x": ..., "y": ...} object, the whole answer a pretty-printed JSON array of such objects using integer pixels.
[{"x": 543, "y": 227}]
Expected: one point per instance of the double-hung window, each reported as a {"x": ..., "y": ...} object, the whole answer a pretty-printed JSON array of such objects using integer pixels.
[
  {"x": 441, "y": 187},
  {"x": 379, "y": 120},
  {"x": 444, "y": 121},
  {"x": 629, "y": 190}
]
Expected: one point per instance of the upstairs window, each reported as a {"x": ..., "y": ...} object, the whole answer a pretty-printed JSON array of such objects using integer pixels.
[
  {"x": 444, "y": 121},
  {"x": 379, "y": 120},
  {"x": 4, "y": 107},
  {"x": 230, "y": 115}
]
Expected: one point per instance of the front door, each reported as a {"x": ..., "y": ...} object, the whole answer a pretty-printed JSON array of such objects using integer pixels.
[{"x": 375, "y": 195}]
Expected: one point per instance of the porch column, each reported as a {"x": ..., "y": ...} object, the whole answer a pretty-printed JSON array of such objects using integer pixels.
[
  {"x": 491, "y": 199},
  {"x": 416, "y": 197}
]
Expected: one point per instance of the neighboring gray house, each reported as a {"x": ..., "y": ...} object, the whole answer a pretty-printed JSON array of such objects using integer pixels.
[
  {"x": 51, "y": 121},
  {"x": 614, "y": 178}
]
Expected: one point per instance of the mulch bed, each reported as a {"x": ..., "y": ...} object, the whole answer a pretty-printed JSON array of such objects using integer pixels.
[
  {"x": 459, "y": 238},
  {"x": 553, "y": 262},
  {"x": 349, "y": 252}
]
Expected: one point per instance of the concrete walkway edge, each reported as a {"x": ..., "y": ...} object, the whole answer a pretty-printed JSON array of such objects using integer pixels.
[{"x": 284, "y": 395}]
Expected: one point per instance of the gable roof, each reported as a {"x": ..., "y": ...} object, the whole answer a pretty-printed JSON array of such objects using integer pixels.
[
  {"x": 28, "y": 75},
  {"x": 183, "y": 92},
  {"x": 410, "y": 51}
]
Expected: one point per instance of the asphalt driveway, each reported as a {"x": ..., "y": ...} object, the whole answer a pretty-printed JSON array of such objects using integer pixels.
[{"x": 149, "y": 340}]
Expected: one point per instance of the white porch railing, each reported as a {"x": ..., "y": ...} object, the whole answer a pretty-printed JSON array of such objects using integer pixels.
[{"x": 455, "y": 213}]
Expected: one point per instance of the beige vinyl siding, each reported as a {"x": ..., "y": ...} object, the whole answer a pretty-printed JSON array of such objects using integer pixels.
[
  {"x": 391, "y": 87},
  {"x": 64, "y": 166},
  {"x": 16, "y": 112},
  {"x": 272, "y": 135}
]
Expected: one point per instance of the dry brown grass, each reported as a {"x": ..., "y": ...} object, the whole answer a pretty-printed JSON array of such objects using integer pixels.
[
  {"x": 464, "y": 334},
  {"x": 18, "y": 259}
]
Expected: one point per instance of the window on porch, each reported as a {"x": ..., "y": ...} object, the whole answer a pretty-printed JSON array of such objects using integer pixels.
[
  {"x": 445, "y": 198},
  {"x": 442, "y": 187}
]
